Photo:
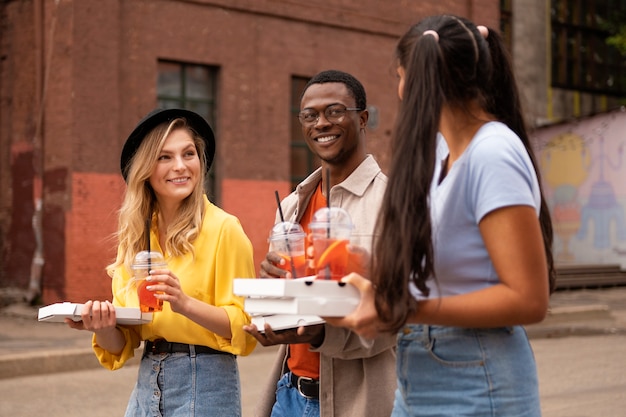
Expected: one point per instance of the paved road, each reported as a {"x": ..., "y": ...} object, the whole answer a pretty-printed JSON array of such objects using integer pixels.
[
  {"x": 97, "y": 392},
  {"x": 580, "y": 376}
]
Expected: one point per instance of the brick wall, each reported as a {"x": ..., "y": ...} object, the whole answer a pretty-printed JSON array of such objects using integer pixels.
[{"x": 101, "y": 79}]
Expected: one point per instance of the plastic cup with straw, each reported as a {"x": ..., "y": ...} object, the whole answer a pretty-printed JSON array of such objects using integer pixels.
[
  {"x": 287, "y": 239},
  {"x": 143, "y": 263},
  {"x": 331, "y": 228}
]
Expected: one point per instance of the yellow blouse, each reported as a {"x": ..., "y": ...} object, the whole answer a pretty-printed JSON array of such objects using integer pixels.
[{"x": 222, "y": 252}]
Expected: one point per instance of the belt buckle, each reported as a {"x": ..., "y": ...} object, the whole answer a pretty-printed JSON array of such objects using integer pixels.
[
  {"x": 307, "y": 379},
  {"x": 165, "y": 346}
]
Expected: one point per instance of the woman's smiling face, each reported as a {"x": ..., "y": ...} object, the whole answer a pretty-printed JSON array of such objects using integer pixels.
[{"x": 177, "y": 170}]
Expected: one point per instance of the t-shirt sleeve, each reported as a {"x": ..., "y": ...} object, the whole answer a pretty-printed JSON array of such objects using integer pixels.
[{"x": 501, "y": 175}]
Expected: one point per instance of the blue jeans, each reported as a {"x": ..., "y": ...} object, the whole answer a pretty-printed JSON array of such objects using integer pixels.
[
  {"x": 290, "y": 403},
  {"x": 447, "y": 371},
  {"x": 180, "y": 384}
]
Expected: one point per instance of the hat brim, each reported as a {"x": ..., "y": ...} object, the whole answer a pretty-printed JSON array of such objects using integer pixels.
[{"x": 155, "y": 118}]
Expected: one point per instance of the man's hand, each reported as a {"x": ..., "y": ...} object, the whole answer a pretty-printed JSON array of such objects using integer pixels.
[
  {"x": 313, "y": 335},
  {"x": 269, "y": 268}
]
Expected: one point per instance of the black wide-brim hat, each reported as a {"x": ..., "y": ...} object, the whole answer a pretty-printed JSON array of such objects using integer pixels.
[{"x": 155, "y": 118}]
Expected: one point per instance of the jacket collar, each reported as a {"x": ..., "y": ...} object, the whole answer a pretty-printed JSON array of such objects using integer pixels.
[{"x": 356, "y": 183}]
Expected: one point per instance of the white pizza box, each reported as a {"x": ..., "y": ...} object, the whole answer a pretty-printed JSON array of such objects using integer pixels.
[
  {"x": 298, "y": 287},
  {"x": 285, "y": 321},
  {"x": 301, "y": 296},
  {"x": 60, "y": 311},
  {"x": 328, "y": 307}
]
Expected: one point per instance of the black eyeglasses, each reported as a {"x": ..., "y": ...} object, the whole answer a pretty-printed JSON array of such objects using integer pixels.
[{"x": 334, "y": 113}]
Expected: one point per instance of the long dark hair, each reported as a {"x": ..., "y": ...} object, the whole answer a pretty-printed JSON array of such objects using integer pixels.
[{"x": 458, "y": 67}]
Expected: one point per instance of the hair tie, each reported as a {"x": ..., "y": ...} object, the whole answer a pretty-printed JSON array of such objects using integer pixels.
[
  {"x": 484, "y": 31},
  {"x": 431, "y": 33}
]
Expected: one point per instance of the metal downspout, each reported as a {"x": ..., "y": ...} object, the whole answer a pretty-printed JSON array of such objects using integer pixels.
[{"x": 43, "y": 71}]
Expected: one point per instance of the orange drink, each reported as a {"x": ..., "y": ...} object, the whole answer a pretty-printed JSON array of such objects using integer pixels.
[
  {"x": 144, "y": 262},
  {"x": 287, "y": 240},
  {"x": 299, "y": 264},
  {"x": 330, "y": 229},
  {"x": 148, "y": 303},
  {"x": 332, "y": 263}
]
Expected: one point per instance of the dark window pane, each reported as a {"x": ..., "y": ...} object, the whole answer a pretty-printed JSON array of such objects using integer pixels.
[
  {"x": 581, "y": 59},
  {"x": 198, "y": 84},
  {"x": 302, "y": 160},
  {"x": 169, "y": 82},
  {"x": 192, "y": 87}
]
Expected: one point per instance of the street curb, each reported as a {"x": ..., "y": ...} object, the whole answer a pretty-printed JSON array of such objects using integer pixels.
[
  {"x": 582, "y": 320},
  {"x": 44, "y": 362},
  {"x": 53, "y": 361},
  {"x": 561, "y": 321},
  {"x": 568, "y": 312}
]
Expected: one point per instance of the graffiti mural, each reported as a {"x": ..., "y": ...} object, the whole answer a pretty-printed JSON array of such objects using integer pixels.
[{"x": 585, "y": 183}]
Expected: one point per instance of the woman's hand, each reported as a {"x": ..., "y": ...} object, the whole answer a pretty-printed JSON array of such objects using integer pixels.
[
  {"x": 97, "y": 316},
  {"x": 167, "y": 287},
  {"x": 364, "y": 319}
]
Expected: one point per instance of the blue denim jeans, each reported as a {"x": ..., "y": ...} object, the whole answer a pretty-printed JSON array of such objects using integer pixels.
[
  {"x": 180, "y": 384},
  {"x": 447, "y": 371},
  {"x": 290, "y": 403}
]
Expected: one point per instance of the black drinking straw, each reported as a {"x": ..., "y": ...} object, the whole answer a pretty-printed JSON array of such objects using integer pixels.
[
  {"x": 329, "y": 216},
  {"x": 148, "y": 224},
  {"x": 328, "y": 201},
  {"x": 282, "y": 219}
]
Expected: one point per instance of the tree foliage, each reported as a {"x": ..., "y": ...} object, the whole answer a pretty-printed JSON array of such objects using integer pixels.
[{"x": 616, "y": 26}]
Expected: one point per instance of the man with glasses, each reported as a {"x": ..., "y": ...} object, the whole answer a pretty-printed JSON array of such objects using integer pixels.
[{"x": 323, "y": 370}]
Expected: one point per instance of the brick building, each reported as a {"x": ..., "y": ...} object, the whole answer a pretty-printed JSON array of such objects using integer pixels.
[{"x": 76, "y": 76}]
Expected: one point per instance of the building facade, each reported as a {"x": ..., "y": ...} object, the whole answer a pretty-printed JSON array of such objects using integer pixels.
[{"x": 77, "y": 75}]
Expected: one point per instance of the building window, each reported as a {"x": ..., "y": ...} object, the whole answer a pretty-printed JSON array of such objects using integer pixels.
[
  {"x": 192, "y": 87},
  {"x": 303, "y": 162},
  {"x": 581, "y": 59}
]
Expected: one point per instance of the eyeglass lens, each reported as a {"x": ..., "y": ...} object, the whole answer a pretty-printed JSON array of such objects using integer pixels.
[{"x": 333, "y": 113}]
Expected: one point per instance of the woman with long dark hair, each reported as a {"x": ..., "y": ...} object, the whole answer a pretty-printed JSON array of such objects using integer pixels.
[{"x": 463, "y": 255}]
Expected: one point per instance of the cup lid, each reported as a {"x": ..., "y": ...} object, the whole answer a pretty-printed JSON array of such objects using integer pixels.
[
  {"x": 331, "y": 217},
  {"x": 146, "y": 258},
  {"x": 282, "y": 229}
]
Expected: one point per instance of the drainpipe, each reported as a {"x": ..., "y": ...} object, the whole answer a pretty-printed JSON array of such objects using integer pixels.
[
  {"x": 42, "y": 68},
  {"x": 36, "y": 266}
]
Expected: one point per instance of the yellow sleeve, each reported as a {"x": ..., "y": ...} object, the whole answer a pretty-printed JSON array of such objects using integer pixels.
[
  {"x": 234, "y": 259},
  {"x": 131, "y": 333},
  {"x": 113, "y": 362}
]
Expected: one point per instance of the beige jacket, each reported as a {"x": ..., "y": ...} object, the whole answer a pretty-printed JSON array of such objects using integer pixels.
[{"x": 357, "y": 376}]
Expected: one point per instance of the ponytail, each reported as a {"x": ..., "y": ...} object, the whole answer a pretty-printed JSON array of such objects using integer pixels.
[{"x": 403, "y": 245}]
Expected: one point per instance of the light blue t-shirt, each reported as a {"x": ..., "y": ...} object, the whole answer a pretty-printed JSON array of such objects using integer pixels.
[{"x": 494, "y": 171}]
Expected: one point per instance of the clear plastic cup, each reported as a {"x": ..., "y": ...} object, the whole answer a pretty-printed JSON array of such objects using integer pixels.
[
  {"x": 143, "y": 263},
  {"x": 331, "y": 229},
  {"x": 288, "y": 240}
]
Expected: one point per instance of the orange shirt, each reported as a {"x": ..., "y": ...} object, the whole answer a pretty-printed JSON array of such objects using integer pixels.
[{"x": 303, "y": 362}]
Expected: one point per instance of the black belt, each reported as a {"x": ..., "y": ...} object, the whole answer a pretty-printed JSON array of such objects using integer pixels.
[
  {"x": 163, "y": 346},
  {"x": 307, "y": 387}
]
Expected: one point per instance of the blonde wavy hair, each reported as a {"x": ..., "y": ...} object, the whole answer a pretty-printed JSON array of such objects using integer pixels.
[{"x": 140, "y": 203}]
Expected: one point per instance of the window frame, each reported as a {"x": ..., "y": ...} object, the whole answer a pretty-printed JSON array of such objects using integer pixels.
[
  {"x": 183, "y": 99},
  {"x": 298, "y": 145},
  {"x": 581, "y": 59}
]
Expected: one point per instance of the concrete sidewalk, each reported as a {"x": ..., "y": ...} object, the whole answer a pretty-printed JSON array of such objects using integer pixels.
[{"x": 30, "y": 347}]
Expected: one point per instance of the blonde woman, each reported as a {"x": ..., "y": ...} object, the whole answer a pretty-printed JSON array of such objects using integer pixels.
[{"x": 189, "y": 363}]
